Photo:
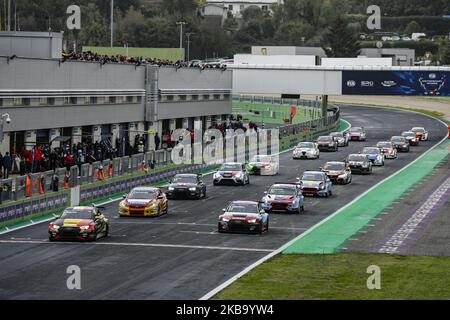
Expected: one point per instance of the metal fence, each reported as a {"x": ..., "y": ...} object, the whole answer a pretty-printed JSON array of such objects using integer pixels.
[{"x": 274, "y": 100}]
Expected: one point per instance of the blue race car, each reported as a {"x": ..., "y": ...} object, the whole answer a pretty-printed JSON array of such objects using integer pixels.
[
  {"x": 375, "y": 155},
  {"x": 285, "y": 197}
]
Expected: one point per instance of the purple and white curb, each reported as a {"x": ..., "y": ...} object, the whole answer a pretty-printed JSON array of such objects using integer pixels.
[{"x": 397, "y": 243}]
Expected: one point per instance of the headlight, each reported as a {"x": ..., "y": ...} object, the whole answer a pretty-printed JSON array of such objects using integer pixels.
[
  {"x": 123, "y": 204},
  {"x": 238, "y": 175},
  {"x": 252, "y": 221},
  {"x": 171, "y": 188},
  {"x": 84, "y": 227},
  {"x": 224, "y": 219},
  {"x": 192, "y": 189},
  {"x": 322, "y": 186},
  {"x": 54, "y": 227},
  {"x": 152, "y": 204},
  {"x": 365, "y": 165}
]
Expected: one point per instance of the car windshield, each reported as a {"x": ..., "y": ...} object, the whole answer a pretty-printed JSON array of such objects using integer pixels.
[
  {"x": 305, "y": 145},
  {"x": 356, "y": 129},
  {"x": 324, "y": 139},
  {"x": 231, "y": 167},
  {"x": 334, "y": 166},
  {"x": 337, "y": 135},
  {"x": 312, "y": 176},
  {"x": 243, "y": 208},
  {"x": 260, "y": 159},
  {"x": 397, "y": 139},
  {"x": 356, "y": 157},
  {"x": 142, "y": 194},
  {"x": 384, "y": 145},
  {"x": 283, "y": 190},
  {"x": 77, "y": 214},
  {"x": 185, "y": 179},
  {"x": 371, "y": 150}
]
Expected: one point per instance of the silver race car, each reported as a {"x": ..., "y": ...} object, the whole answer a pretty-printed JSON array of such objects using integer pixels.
[
  {"x": 341, "y": 138},
  {"x": 306, "y": 150}
]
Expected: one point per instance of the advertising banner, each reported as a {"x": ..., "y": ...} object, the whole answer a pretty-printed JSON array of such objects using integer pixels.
[{"x": 405, "y": 83}]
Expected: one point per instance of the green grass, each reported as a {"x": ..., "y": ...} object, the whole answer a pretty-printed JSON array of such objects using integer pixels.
[
  {"x": 274, "y": 113},
  {"x": 343, "y": 277}
]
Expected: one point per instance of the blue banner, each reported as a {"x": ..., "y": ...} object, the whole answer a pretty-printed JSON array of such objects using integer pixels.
[{"x": 405, "y": 83}]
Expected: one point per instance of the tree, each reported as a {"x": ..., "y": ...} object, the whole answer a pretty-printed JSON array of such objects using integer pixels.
[
  {"x": 339, "y": 40},
  {"x": 444, "y": 52},
  {"x": 94, "y": 27},
  {"x": 293, "y": 33},
  {"x": 412, "y": 27}
]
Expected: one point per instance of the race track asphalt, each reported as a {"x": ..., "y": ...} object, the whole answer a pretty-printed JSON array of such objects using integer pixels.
[{"x": 180, "y": 255}]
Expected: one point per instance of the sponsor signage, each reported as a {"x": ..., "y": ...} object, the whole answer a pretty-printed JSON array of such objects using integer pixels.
[{"x": 405, "y": 83}]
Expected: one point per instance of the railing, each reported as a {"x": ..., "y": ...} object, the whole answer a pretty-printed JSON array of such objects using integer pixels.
[{"x": 274, "y": 100}]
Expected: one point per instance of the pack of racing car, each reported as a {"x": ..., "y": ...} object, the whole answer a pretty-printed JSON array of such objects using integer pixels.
[{"x": 87, "y": 223}]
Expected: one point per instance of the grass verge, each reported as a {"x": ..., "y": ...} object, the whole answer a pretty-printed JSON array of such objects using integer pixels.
[{"x": 343, "y": 277}]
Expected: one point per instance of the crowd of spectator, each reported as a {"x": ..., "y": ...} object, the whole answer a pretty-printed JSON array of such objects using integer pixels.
[
  {"x": 42, "y": 157},
  {"x": 104, "y": 59}
]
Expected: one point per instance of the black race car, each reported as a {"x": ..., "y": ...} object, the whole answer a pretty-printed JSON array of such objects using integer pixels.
[{"x": 186, "y": 186}]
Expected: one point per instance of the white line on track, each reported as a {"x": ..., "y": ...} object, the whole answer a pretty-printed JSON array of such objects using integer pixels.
[
  {"x": 410, "y": 226},
  {"x": 131, "y": 244}
]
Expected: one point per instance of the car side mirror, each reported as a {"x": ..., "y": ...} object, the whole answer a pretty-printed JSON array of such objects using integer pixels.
[
  {"x": 320, "y": 168},
  {"x": 224, "y": 210},
  {"x": 265, "y": 192},
  {"x": 124, "y": 196},
  {"x": 160, "y": 197}
]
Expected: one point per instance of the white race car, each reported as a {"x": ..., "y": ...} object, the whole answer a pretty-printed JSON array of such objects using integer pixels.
[
  {"x": 263, "y": 165},
  {"x": 421, "y": 133},
  {"x": 306, "y": 150}
]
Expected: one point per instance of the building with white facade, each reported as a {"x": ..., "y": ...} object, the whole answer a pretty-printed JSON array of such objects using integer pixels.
[{"x": 236, "y": 7}]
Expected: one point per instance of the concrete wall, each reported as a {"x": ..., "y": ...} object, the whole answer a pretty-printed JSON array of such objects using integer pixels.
[
  {"x": 31, "y": 44},
  {"x": 287, "y": 60},
  {"x": 355, "y": 62},
  {"x": 43, "y": 117},
  {"x": 172, "y": 78},
  {"x": 167, "y": 110},
  {"x": 267, "y": 81},
  {"x": 51, "y": 74}
]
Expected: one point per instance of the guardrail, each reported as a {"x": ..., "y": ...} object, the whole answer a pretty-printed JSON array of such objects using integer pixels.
[
  {"x": 122, "y": 174},
  {"x": 279, "y": 101}
]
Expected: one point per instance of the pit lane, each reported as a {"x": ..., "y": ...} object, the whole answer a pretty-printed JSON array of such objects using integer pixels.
[{"x": 180, "y": 255}]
